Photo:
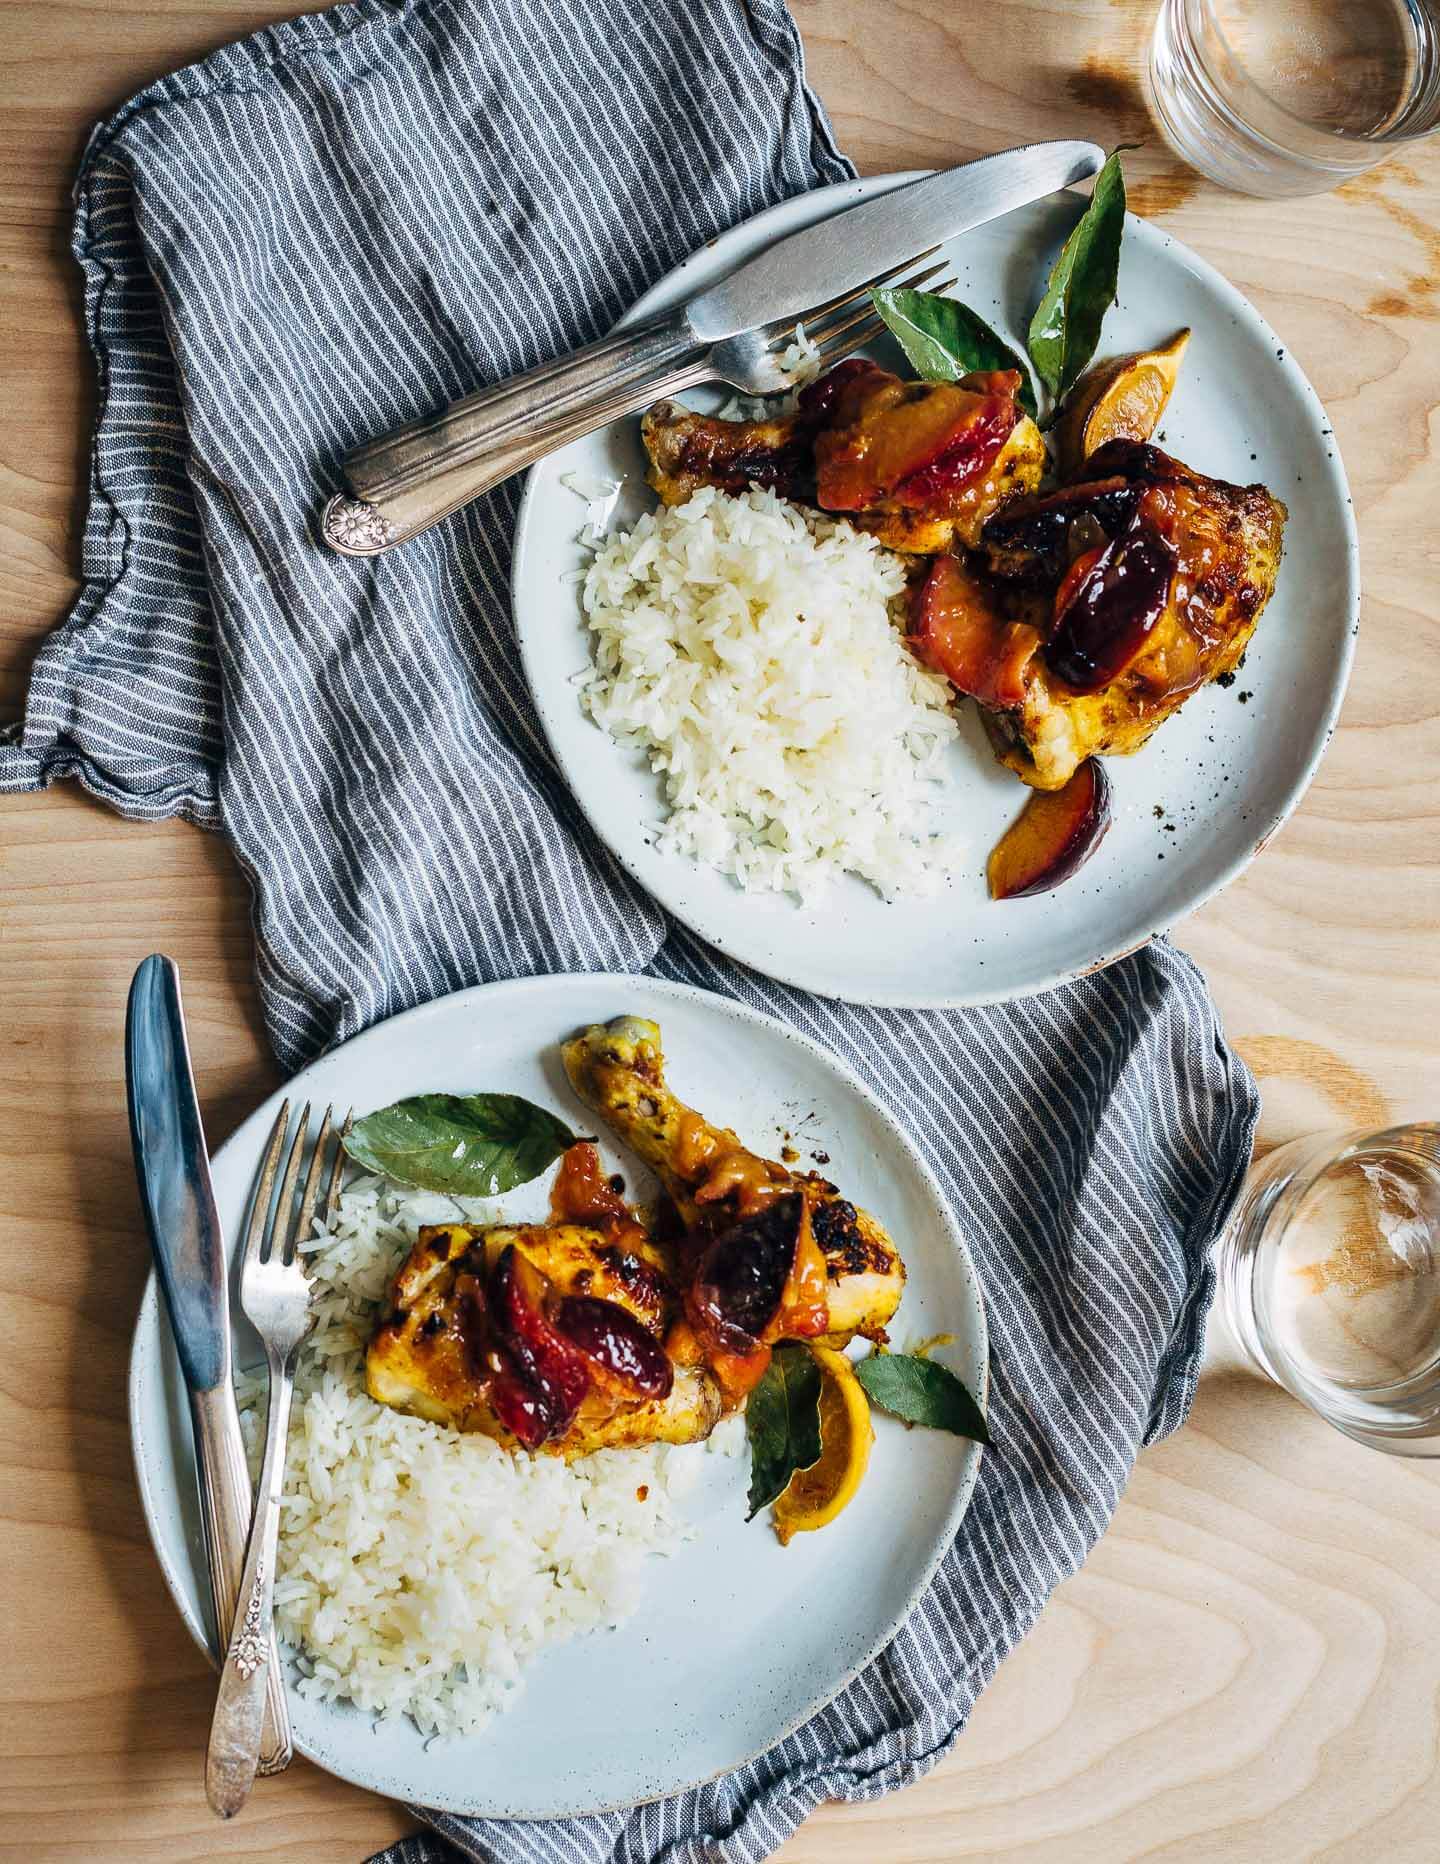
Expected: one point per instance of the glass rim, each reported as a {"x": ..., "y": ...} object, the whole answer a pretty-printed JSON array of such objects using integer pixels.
[{"x": 1382, "y": 143}]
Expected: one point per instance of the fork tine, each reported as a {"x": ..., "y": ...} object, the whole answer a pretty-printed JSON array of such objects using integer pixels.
[
  {"x": 300, "y": 1230},
  {"x": 822, "y": 332},
  {"x": 859, "y": 291},
  {"x": 867, "y": 332},
  {"x": 337, "y": 1173},
  {"x": 258, "y": 1226},
  {"x": 285, "y": 1203},
  {"x": 817, "y": 329}
]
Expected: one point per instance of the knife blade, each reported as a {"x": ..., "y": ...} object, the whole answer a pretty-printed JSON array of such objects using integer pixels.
[
  {"x": 173, "y": 1170},
  {"x": 823, "y": 261}
]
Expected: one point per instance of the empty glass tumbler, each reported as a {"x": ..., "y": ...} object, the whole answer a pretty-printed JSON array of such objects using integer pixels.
[
  {"x": 1329, "y": 1274},
  {"x": 1282, "y": 97}
]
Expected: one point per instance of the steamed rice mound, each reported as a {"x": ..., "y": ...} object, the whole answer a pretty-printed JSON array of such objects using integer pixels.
[{"x": 752, "y": 650}]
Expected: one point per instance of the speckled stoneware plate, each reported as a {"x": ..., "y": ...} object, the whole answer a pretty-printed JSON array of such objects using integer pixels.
[
  {"x": 1191, "y": 810},
  {"x": 739, "y": 1640}
]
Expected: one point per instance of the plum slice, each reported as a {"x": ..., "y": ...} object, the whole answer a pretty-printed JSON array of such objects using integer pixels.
[
  {"x": 616, "y": 1344},
  {"x": 966, "y": 457},
  {"x": 1053, "y": 837},
  {"x": 956, "y": 629},
  {"x": 1107, "y": 606},
  {"x": 541, "y": 1377},
  {"x": 914, "y": 442}
]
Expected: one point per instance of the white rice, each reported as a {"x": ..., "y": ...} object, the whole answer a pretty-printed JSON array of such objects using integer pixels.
[
  {"x": 752, "y": 651},
  {"x": 419, "y": 1568}
]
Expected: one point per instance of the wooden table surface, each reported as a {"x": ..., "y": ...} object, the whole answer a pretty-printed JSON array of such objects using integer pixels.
[{"x": 1249, "y": 1666}]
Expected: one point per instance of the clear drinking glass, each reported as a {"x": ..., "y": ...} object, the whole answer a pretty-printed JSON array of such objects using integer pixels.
[
  {"x": 1284, "y": 97},
  {"x": 1329, "y": 1272}
]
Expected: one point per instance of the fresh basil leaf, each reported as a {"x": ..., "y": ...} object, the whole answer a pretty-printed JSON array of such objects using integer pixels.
[
  {"x": 469, "y": 1145},
  {"x": 943, "y": 339},
  {"x": 1066, "y": 327},
  {"x": 922, "y": 1392},
  {"x": 782, "y": 1422}
]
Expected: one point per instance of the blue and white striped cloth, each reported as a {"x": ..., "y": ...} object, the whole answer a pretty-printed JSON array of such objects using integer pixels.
[{"x": 341, "y": 224}]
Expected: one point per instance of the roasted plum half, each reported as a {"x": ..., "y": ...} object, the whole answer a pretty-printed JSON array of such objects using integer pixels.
[
  {"x": 1053, "y": 837},
  {"x": 916, "y": 443},
  {"x": 957, "y": 628},
  {"x": 1108, "y": 605}
]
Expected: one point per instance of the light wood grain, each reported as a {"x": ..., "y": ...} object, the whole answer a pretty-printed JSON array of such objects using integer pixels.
[{"x": 1247, "y": 1667}]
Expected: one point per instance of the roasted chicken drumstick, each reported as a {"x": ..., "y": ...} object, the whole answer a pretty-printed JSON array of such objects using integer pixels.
[
  {"x": 917, "y": 465},
  {"x": 769, "y": 1254}
]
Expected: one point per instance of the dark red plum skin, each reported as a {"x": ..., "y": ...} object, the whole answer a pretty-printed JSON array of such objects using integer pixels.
[
  {"x": 543, "y": 1377},
  {"x": 616, "y": 1342},
  {"x": 1084, "y": 834}
]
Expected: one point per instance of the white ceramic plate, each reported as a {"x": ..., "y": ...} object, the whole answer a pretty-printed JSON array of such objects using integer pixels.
[
  {"x": 739, "y": 1640},
  {"x": 1191, "y": 810}
]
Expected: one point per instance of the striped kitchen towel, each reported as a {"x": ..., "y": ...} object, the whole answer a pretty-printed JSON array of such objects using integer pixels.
[{"x": 341, "y": 224}]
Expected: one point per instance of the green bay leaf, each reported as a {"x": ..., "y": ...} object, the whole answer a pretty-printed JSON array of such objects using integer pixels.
[
  {"x": 944, "y": 339},
  {"x": 922, "y": 1391},
  {"x": 782, "y": 1423},
  {"x": 468, "y": 1145},
  {"x": 1066, "y": 327}
]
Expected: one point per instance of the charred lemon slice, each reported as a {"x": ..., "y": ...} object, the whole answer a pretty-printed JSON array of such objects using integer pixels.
[
  {"x": 817, "y": 1494},
  {"x": 1118, "y": 400}
]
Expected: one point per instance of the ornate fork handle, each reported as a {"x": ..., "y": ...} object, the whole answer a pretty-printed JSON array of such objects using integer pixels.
[
  {"x": 235, "y": 1729},
  {"x": 225, "y": 1501},
  {"x": 414, "y": 477}
]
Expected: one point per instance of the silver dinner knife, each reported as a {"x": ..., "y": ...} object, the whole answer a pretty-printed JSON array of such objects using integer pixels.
[
  {"x": 412, "y": 478},
  {"x": 173, "y": 1170}
]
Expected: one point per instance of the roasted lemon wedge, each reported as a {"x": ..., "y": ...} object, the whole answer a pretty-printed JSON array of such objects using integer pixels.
[
  {"x": 816, "y": 1495},
  {"x": 1118, "y": 400}
]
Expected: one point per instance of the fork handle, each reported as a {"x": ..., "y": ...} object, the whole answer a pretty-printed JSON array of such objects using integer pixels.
[
  {"x": 227, "y": 1506},
  {"x": 417, "y": 475},
  {"x": 235, "y": 1727}
]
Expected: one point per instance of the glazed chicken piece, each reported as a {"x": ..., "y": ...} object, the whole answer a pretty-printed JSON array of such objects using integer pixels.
[
  {"x": 767, "y": 1253},
  {"x": 918, "y": 465},
  {"x": 1091, "y": 615},
  {"x": 545, "y": 1336}
]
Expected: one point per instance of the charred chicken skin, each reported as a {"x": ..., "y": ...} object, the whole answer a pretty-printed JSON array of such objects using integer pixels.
[
  {"x": 1090, "y": 615},
  {"x": 766, "y": 1254},
  {"x": 918, "y": 465}
]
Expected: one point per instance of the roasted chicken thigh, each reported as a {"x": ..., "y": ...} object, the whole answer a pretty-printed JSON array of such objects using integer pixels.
[
  {"x": 547, "y": 1336},
  {"x": 1090, "y": 615}
]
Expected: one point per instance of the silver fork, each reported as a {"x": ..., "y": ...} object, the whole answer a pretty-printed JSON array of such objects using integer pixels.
[
  {"x": 275, "y": 1294},
  {"x": 414, "y": 477}
]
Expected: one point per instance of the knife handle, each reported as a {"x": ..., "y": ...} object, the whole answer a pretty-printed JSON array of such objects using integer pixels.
[
  {"x": 412, "y": 478},
  {"x": 226, "y": 1505}
]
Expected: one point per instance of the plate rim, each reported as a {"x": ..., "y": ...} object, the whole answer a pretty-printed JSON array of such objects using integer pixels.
[
  {"x": 147, "y": 1461},
  {"x": 842, "y": 194}
]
